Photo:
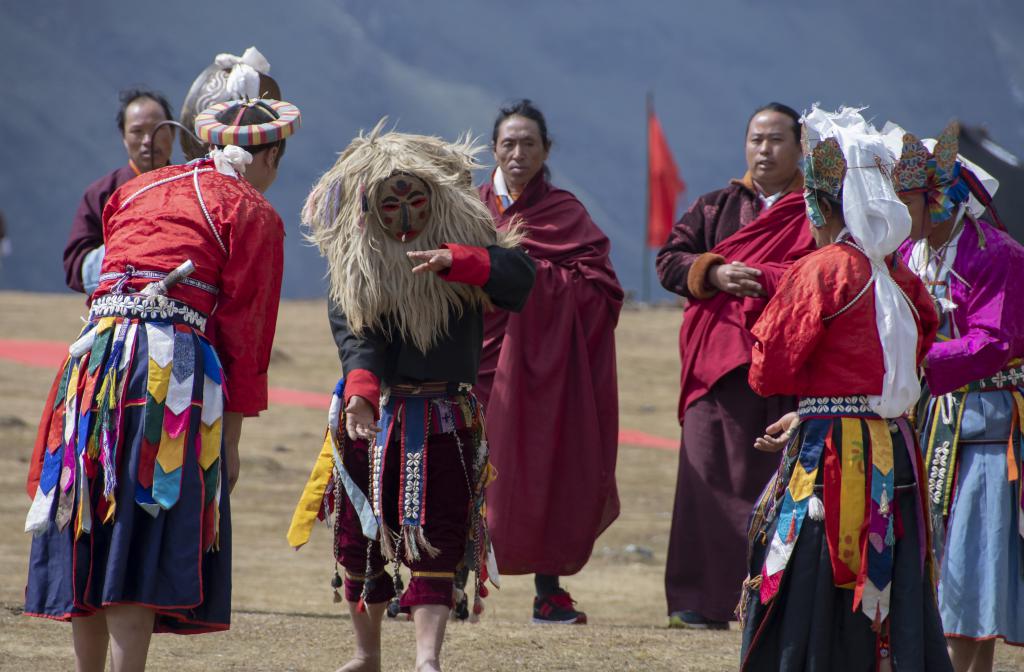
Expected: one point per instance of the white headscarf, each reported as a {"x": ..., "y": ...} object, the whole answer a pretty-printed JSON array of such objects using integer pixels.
[
  {"x": 878, "y": 222},
  {"x": 244, "y": 79}
]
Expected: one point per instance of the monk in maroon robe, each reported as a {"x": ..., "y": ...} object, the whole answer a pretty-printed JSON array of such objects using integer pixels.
[
  {"x": 725, "y": 255},
  {"x": 147, "y": 150},
  {"x": 547, "y": 377}
]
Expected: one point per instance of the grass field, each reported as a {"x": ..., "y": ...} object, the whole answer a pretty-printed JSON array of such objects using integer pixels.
[{"x": 284, "y": 617}]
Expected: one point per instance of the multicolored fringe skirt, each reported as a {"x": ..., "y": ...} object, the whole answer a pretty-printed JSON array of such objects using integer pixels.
[
  {"x": 840, "y": 576},
  {"x": 128, "y": 505},
  {"x": 416, "y": 497},
  {"x": 973, "y": 448}
]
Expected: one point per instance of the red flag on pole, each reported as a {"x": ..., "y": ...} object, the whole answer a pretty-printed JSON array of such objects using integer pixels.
[{"x": 663, "y": 182}]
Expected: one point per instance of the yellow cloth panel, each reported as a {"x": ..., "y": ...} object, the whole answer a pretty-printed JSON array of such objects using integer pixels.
[
  {"x": 852, "y": 494},
  {"x": 159, "y": 379},
  {"x": 881, "y": 445},
  {"x": 306, "y": 510},
  {"x": 171, "y": 453},
  {"x": 210, "y": 437},
  {"x": 801, "y": 483}
]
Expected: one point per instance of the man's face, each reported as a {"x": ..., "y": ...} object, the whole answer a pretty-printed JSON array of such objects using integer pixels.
[
  {"x": 146, "y": 152},
  {"x": 520, "y": 151},
  {"x": 773, "y": 152}
]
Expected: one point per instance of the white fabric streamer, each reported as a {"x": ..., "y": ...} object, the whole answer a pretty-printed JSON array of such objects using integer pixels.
[
  {"x": 244, "y": 79},
  {"x": 231, "y": 161},
  {"x": 878, "y": 222}
]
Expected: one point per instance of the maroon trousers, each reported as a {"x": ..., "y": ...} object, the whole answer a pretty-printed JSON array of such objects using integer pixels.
[
  {"x": 720, "y": 476},
  {"x": 447, "y": 500}
]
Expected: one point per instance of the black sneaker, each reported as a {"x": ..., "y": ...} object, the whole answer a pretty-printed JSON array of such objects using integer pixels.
[
  {"x": 694, "y": 621},
  {"x": 557, "y": 608}
]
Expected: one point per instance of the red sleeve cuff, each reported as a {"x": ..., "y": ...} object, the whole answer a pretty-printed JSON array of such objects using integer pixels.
[
  {"x": 362, "y": 383},
  {"x": 471, "y": 265},
  {"x": 245, "y": 394}
]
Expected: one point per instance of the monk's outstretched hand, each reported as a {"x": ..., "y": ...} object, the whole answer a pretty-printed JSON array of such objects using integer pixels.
[
  {"x": 431, "y": 260},
  {"x": 778, "y": 433},
  {"x": 360, "y": 422},
  {"x": 736, "y": 278}
]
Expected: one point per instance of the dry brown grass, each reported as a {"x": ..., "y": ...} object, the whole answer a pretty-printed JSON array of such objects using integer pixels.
[{"x": 284, "y": 618}]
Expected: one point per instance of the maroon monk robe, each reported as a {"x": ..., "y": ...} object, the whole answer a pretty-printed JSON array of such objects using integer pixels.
[
  {"x": 87, "y": 228},
  {"x": 715, "y": 336},
  {"x": 720, "y": 473},
  {"x": 548, "y": 384}
]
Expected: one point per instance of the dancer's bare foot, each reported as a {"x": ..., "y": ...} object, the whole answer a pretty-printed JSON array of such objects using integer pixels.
[
  {"x": 359, "y": 664},
  {"x": 428, "y": 666}
]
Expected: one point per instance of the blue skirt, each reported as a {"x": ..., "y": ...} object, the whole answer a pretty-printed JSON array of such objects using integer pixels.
[
  {"x": 129, "y": 508},
  {"x": 981, "y": 583}
]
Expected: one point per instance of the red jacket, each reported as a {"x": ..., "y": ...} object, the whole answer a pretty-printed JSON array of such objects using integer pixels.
[{"x": 798, "y": 353}]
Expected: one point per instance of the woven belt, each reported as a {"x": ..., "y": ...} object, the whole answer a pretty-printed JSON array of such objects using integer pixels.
[
  {"x": 1009, "y": 378},
  {"x": 428, "y": 389},
  {"x": 131, "y": 273},
  {"x": 855, "y": 405},
  {"x": 144, "y": 307}
]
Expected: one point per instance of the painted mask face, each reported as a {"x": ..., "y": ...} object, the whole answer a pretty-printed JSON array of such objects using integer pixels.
[{"x": 404, "y": 205}]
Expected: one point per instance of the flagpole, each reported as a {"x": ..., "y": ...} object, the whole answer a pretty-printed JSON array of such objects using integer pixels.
[{"x": 646, "y": 286}]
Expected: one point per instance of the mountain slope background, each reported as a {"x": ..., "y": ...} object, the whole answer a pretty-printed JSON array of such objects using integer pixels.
[{"x": 445, "y": 67}]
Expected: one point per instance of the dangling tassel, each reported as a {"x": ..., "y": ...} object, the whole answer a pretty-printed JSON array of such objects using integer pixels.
[
  {"x": 387, "y": 544},
  {"x": 460, "y": 611},
  {"x": 816, "y": 509},
  {"x": 336, "y": 583},
  {"x": 750, "y": 585},
  {"x": 882, "y": 650},
  {"x": 791, "y": 532},
  {"x": 395, "y": 604}
]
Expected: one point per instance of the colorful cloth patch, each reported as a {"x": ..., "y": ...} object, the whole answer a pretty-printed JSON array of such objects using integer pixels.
[{"x": 84, "y": 432}]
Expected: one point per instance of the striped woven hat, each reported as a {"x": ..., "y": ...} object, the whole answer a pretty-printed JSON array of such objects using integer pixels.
[{"x": 283, "y": 120}]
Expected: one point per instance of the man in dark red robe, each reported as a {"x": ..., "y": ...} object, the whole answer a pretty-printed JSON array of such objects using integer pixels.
[
  {"x": 547, "y": 377},
  {"x": 140, "y": 112},
  {"x": 725, "y": 255}
]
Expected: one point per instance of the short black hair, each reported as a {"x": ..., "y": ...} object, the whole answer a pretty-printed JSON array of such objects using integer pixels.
[
  {"x": 522, "y": 108},
  {"x": 256, "y": 113},
  {"x": 129, "y": 96},
  {"x": 782, "y": 109}
]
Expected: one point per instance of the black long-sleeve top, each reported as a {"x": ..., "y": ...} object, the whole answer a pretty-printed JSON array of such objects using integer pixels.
[{"x": 382, "y": 356}]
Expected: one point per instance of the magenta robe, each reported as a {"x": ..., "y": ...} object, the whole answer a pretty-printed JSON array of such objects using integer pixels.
[
  {"x": 989, "y": 314},
  {"x": 548, "y": 384}
]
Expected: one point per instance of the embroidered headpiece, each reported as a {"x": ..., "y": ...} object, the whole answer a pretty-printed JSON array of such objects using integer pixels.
[
  {"x": 938, "y": 173},
  {"x": 911, "y": 172},
  {"x": 824, "y": 169}
]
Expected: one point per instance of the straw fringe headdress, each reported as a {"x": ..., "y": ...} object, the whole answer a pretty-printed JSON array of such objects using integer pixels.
[{"x": 370, "y": 275}]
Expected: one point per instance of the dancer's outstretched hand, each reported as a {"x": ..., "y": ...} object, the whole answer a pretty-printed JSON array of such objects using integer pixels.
[
  {"x": 777, "y": 434},
  {"x": 431, "y": 260},
  {"x": 359, "y": 420}
]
